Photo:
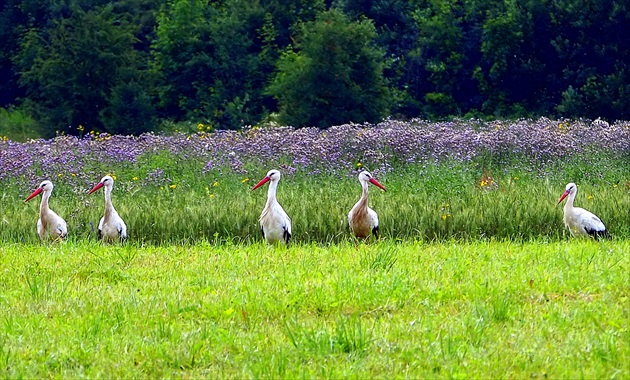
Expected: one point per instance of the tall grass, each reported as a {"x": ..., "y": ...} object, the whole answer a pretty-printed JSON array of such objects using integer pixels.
[{"x": 437, "y": 202}]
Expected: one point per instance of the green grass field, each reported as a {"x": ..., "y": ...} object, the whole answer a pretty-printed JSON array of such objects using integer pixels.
[
  {"x": 389, "y": 309},
  {"x": 475, "y": 275}
]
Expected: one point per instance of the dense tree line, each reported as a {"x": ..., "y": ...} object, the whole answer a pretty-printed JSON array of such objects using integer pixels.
[{"x": 123, "y": 66}]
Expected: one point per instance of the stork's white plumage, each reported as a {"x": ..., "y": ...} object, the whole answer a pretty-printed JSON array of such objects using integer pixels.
[
  {"x": 111, "y": 226},
  {"x": 275, "y": 224},
  {"x": 580, "y": 222},
  {"x": 48, "y": 222},
  {"x": 361, "y": 218}
]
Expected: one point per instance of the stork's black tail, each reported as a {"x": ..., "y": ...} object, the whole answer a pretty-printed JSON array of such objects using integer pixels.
[{"x": 601, "y": 234}]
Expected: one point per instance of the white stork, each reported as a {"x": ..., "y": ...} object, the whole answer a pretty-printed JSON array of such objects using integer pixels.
[
  {"x": 361, "y": 218},
  {"x": 111, "y": 226},
  {"x": 275, "y": 224},
  {"x": 48, "y": 220},
  {"x": 578, "y": 221}
]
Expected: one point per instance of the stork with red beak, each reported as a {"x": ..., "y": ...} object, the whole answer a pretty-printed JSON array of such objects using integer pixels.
[
  {"x": 361, "y": 218},
  {"x": 111, "y": 227},
  {"x": 48, "y": 222},
  {"x": 579, "y": 222},
  {"x": 275, "y": 224}
]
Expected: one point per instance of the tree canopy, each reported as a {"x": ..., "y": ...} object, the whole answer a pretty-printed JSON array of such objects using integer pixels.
[{"x": 124, "y": 66}]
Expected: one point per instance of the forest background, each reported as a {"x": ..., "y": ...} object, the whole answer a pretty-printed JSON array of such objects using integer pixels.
[{"x": 132, "y": 66}]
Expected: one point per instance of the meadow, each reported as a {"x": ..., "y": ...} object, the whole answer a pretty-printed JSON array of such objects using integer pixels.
[
  {"x": 474, "y": 274},
  {"x": 391, "y": 309}
]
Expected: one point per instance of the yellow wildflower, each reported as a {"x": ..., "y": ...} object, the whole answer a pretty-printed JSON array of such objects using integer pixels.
[
  {"x": 173, "y": 186},
  {"x": 215, "y": 184},
  {"x": 444, "y": 216},
  {"x": 589, "y": 197},
  {"x": 135, "y": 178},
  {"x": 245, "y": 180},
  {"x": 59, "y": 175},
  {"x": 200, "y": 126},
  {"x": 359, "y": 164}
]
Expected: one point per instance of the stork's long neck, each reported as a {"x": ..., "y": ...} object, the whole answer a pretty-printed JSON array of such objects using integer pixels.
[
  {"x": 568, "y": 207},
  {"x": 109, "y": 207},
  {"x": 363, "y": 202},
  {"x": 43, "y": 207},
  {"x": 271, "y": 193}
]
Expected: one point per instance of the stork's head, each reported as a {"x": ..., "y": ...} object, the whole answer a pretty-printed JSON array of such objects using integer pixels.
[
  {"x": 365, "y": 176},
  {"x": 106, "y": 181},
  {"x": 272, "y": 175},
  {"x": 570, "y": 189},
  {"x": 43, "y": 187}
]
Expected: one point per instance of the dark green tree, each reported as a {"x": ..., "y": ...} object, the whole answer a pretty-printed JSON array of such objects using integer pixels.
[
  {"x": 12, "y": 23},
  {"x": 397, "y": 34},
  {"x": 591, "y": 41},
  {"x": 208, "y": 56},
  {"x": 448, "y": 48},
  {"x": 73, "y": 70},
  {"x": 334, "y": 75}
]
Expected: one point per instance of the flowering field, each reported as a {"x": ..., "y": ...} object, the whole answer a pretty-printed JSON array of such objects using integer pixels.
[
  {"x": 475, "y": 275},
  {"x": 443, "y": 178}
]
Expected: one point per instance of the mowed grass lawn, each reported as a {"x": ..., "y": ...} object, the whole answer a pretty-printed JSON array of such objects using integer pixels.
[{"x": 388, "y": 309}]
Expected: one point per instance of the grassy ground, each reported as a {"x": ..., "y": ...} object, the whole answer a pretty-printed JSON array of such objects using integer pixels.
[{"x": 391, "y": 309}]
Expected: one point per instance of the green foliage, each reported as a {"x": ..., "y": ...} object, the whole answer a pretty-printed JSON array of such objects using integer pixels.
[
  {"x": 12, "y": 24},
  {"x": 17, "y": 125},
  {"x": 126, "y": 66},
  {"x": 335, "y": 74},
  {"x": 588, "y": 42},
  {"x": 209, "y": 63},
  {"x": 444, "y": 53},
  {"x": 397, "y": 33},
  {"x": 81, "y": 70}
]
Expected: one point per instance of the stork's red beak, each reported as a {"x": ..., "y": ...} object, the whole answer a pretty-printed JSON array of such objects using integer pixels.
[
  {"x": 98, "y": 186},
  {"x": 262, "y": 182},
  {"x": 563, "y": 196},
  {"x": 375, "y": 182},
  {"x": 36, "y": 192}
]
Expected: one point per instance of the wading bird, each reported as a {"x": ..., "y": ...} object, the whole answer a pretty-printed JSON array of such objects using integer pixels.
[
  {"x": 361, "y": 218},
  {"x": 111, "y": 227},
  {"x": 579, "y": 221},
  {"x": 48, "y": 220},
  {"x": 275, "y": 224}
]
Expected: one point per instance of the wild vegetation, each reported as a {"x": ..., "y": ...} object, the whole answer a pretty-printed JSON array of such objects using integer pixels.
[
  {"x": 475, "y": 276},
  {"x": 132, "y": 66},
  {"x": 466, "y": 180}
]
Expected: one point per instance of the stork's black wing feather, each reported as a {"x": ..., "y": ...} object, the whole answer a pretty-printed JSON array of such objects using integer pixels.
[{"x": 375, "y": 231}]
